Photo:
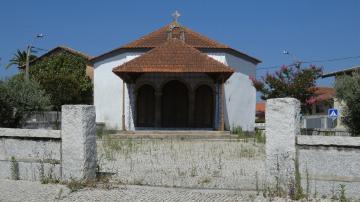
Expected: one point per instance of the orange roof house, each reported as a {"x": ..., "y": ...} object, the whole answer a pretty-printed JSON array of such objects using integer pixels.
[{"x": 89, "y": 68}]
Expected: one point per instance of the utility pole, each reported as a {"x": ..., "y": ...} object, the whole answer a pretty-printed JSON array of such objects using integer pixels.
[
  {"x": 296, "y": 61},
  {"x": 28, "y": 52}
]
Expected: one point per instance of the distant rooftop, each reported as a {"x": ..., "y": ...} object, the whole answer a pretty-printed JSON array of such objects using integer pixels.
[{"x": 339, "y": 72}]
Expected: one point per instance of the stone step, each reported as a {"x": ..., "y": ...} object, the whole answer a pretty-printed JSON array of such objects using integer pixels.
[{"x": 188, "y": 134}]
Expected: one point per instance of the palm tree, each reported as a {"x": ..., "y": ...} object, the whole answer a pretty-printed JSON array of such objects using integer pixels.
[{"x": 19, "y": 59}]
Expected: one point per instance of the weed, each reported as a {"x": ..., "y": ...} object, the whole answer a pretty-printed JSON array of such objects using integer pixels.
[
  {"x": 75, "y": 185},
  {"x": 193, "y": 172},
  {"x": 204, "y": 180},
  {"x": 237, "y": 130},
  {"x": 49, "y": 178},
  {"x": 139, "y": 182},
  {"x": 342, "y": 196},
  {"x": 14, "y": 169},
  {"x": 247, "y": 152},
  {"x": 180, "y": 173},
  {"x": 333, "y": 194},
  {"x": 103, "y": 132},
  {"x": 216, "y": 173},
  {"x": 299, "y": 194},
  {"x": 259, "y": 137}
]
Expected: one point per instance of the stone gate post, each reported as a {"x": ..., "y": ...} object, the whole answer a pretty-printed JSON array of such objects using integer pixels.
[
  {"x": 282, "y": 125},
  {"x": 78, "y": 137}
]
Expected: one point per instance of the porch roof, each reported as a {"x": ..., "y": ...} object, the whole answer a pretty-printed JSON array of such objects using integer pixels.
[{"x": 174, "y": 56}]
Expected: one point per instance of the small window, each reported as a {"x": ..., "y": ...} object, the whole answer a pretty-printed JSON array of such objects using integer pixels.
[{"x": 319, "y": 108}]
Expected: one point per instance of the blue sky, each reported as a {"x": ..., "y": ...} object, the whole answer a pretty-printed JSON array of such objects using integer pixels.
[{"x": 310, "y": 30}]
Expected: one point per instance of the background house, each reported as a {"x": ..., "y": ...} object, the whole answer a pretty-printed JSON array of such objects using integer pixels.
[
  {"x": 338, "y": 104},
  {"x": 317, "y": 116}
]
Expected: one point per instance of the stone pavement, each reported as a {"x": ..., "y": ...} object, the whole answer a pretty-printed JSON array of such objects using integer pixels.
[
  {"x": 26, "y": 191},
  {"x": 11, "y": 191}
]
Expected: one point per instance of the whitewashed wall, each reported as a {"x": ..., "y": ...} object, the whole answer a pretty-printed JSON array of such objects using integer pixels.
[
  {"x": 35, "y": 153},
  {"x": 39, "y": 154},
  {"x": 240, "y": 95},
  {"x": 326, "y": 162},
  {"x": 108, "y": 91}
]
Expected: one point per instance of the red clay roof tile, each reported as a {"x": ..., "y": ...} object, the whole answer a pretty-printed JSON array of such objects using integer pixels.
[
  {"x": 160, "y": 36},
  {"x": 173, "y": 56}
]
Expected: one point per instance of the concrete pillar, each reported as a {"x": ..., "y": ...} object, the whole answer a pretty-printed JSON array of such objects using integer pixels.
[
  {"x": 222, "y": 106},
  {"x": 282, "y": 125},
  {"x": 78, "y": 148},
  {"x": 158, "y": 97}
]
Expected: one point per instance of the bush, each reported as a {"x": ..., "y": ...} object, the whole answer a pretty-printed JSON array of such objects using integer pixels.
[
  {"x": 19, "y": 99},
  {"x": 348, "y": 91},
  {"x": 290, "y": 81},
  {"x": 63, "y": 76},
  {"x": 6, "y": 111}
]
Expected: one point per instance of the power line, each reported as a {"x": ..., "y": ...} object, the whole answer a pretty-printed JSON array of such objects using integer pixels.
[
  {"x": 332, "y": 60},
  {"x": 311, "y": 61}
]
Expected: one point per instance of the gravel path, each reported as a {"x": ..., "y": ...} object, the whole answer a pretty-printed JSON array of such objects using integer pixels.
[{"x": 25, "y": 191}]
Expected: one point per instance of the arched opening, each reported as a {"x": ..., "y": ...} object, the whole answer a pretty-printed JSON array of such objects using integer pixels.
[
  {"x": 204, "y": 107},
  {"x": 145, "y": 109},
  {"x": 175, "y": 105}
]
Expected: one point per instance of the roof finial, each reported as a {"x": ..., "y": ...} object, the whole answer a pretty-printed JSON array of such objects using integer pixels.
[{"x": 175, "y": 15}]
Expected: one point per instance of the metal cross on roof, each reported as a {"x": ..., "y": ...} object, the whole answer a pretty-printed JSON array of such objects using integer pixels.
[{"x": 175, "y": 16}]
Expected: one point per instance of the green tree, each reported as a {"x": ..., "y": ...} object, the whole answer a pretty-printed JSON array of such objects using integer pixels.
[
  {"x": 19, "y": 99},
  {"x": 6, "y": 111},
  {"x": 347, "y": 89},
  {"x": 293, "y": 82},
  {"x": 63, "y": 76},
  {"x": 19, "y": 59}
]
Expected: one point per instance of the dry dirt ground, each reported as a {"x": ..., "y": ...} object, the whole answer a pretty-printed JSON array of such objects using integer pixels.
[{"x": 186, "y": 163}]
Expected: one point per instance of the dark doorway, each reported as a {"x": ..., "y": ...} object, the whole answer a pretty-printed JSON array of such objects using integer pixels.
[
  {"x": 145, "y": 106},
  {"x": 204, "y": 107},
  {"x": 175, "y": 105}
]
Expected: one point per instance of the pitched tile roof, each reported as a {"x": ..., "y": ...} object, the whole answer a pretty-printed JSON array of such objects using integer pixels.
[
  {"x": 70, "y": 50},
  {"x": 160, "y": 36},
  {"x": 173, "y": 56},
  {"x": 260, "y": 107},
  {"x": 324, "y": 93}
]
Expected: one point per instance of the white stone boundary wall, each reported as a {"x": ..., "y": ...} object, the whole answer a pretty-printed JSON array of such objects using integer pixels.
[
  {"x": 29, "y": 133},
  {"x": 336, "y": 141},
  {"x": 29, "y": 154},
  {"x": 322, "y": 164},
  {"x": 327, "y": 162},
  {"x": 282, "y": 125},
  {"x": 38, "y": 154}
]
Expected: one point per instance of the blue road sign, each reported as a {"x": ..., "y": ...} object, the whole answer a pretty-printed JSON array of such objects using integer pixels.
[{"x": 333, "y": 113}]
